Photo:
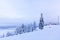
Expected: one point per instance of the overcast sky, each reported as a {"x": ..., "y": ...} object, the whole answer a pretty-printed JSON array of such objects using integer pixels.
[{"x": 15, "y": 11}]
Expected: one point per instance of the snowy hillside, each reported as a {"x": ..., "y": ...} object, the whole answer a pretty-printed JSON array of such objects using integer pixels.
[{"x": 51, "y": 32}]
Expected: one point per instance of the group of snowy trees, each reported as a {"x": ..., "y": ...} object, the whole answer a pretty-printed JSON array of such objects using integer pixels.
[
  {"x": 30, "y": 27},
  {"x": 25, "y": 28}
]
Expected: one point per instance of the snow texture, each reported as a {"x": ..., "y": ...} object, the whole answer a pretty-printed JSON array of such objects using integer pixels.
[{"x": 50, "y": 32}]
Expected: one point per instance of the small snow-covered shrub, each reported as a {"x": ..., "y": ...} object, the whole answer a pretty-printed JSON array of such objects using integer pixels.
[{"x": 10, "y": 34}]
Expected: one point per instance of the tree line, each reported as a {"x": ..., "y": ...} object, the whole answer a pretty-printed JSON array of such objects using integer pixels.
[{"x": 30, "y": 27}]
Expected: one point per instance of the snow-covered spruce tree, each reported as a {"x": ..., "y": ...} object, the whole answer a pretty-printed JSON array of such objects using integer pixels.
[
  {"x": 41, "y": 23},
  {"x": 17, "y": 30},
  {"x": 34, "y": 26},
  {"x": 23, "y": 28},
  {"x": 29, "y": 28}
]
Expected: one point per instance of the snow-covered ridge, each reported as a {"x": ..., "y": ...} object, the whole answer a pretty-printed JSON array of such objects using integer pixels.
[{"x": 51, "y": 32}]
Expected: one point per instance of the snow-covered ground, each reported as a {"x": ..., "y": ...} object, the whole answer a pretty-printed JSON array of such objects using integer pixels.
[
  {"x": 5, "y": 31},
  {"x": 51, "y": 32}
]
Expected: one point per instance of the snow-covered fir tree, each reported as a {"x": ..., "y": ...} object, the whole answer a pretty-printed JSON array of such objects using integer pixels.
[
  {"x": 24, "y": 28},
  {"x": 34, "y": 26},
  {"x": 29, "y": 28},
  {"x": 41, "y": 23}
]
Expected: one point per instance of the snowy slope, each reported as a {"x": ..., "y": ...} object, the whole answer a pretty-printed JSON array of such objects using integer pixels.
[
  {"x": 51, "y": 32},
  {"x": 4, "y": 31}
]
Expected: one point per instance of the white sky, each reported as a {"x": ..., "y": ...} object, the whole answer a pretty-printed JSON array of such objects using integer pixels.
[{"x": 14, "y": 11}]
